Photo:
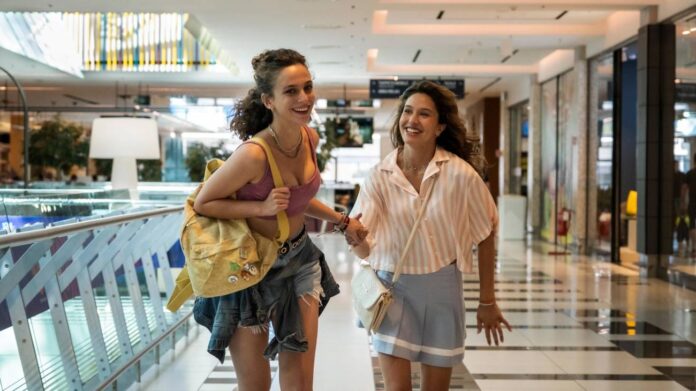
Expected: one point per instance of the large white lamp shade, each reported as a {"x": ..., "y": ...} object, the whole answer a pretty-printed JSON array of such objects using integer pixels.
[{"x": 124, "y": 139}]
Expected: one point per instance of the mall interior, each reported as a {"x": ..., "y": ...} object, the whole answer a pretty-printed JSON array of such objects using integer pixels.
[{"x": 586, "y": 112}]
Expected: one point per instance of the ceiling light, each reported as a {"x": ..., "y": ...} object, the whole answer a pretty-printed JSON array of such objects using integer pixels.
[
  {"x": 489, "y": 85},
  {"x": 321, "y": 26},
  {"x": 415, "y": 58}
]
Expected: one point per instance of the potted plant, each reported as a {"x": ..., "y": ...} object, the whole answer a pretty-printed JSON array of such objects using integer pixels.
[
  {"x": 58, "y": 144},
  {"x": 198, "y": 154}
]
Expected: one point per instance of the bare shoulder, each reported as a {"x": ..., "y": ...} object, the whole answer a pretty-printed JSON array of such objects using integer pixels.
[
  {"x": 246, "y": 164},
  {"x": 248, "y": 153},
  {"x": 313, "y": 134}
]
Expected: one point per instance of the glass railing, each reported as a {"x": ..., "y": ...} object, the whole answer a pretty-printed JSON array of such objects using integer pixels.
[
  {"x": 19, "y": 207},
  {"x": 82, "y": 296}
]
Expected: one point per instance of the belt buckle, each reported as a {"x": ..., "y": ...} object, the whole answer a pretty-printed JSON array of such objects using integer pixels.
[{"x": 297, "y": 241}]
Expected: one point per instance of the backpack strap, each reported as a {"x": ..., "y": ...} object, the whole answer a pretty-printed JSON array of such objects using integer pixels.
[
  {"x": 283, "y": 222},
  {"x": 183, "y": 289}
]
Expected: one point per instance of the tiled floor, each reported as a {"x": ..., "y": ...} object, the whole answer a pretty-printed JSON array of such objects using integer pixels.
[{"x": 579, "y": 324}]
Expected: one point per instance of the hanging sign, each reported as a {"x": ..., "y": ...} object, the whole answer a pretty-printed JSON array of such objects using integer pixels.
[{"x": 392, "y": 89}]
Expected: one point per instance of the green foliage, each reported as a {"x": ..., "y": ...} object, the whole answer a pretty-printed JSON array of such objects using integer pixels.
[
  {"x": 150, "y": 170},
  {"x": 58, "y": 144},
  {"x": 198, "y": 154},
  {"x": 324, "y": 153}
]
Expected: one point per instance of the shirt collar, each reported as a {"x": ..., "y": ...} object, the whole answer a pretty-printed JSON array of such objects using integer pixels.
[
  {"x": 396, "y": 176},
  {"x": 389, "y": 162}
]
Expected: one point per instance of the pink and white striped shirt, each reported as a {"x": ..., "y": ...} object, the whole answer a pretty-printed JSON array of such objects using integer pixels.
[{"x": 460, "y": 214}]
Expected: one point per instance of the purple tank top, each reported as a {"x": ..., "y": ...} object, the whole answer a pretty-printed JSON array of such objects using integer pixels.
[{"x": 299, "y": 195}]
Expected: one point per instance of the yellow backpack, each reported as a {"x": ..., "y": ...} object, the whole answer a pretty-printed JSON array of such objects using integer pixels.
[{"x": 224, "y": 256}]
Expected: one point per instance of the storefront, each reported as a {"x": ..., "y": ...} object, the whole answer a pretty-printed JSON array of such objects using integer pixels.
[
  {"x": 519, "y": 147},
  {"x": 680, "y": 267},
  {"x": 559, "y": 151},
  {"x": 613, "y": 125}
]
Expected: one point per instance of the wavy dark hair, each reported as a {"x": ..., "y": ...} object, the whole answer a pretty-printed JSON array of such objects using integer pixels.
[
  {"x": 455, "y": 137},
  {"x": 250, "y": 115}
]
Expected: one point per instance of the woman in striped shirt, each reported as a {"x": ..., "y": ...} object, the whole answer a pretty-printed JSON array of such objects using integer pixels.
[{"x": 425, "y": 322}]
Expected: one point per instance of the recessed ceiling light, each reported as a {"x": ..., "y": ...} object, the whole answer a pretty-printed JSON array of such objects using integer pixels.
[{"x": 321, "y": 26}]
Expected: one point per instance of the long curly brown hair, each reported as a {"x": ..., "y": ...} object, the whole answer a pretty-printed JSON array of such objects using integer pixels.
[
  {"x": 250, "y": 115},
  {"x": 455, "y": 137}
]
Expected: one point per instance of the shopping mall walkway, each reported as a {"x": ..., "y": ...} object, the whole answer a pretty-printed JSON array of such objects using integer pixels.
[{"x": 579, "y": 324}]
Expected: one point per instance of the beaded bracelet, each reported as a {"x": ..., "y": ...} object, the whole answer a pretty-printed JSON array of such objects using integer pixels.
[{"x": 343, "y": 222}]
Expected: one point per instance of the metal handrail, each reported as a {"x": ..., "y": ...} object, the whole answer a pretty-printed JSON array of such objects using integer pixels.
[
  {"x": 104, "y": 224},
  {"x": 29, "y": 237},
  {"x": 136, "y": 358}
]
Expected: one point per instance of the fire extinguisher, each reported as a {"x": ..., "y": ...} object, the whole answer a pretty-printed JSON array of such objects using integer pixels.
[
  {"x": 562, "y": 229},
  {"x": 563, "y": 222}
]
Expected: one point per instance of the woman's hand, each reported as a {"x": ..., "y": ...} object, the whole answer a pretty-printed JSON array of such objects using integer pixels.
[
  {"x": 355, "y": 232},
  {"x": 278, "y": 199},
  {"x": 489, "y": 318}
]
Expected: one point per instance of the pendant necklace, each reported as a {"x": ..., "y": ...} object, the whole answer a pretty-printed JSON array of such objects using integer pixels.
[
  {"x": 290, "y": 152},
  {"x": 414, "y": 169}
]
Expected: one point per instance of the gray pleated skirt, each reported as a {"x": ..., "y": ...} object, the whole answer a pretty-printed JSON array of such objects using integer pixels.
[{"x": 425, "y": 322}]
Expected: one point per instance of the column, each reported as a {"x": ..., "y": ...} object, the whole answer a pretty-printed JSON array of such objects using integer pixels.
[
  {"x": 505, "y": 171},
  {"x": 580, "y": 140},
  {"x": 655, "y": 143},
  {"x": 534, "y": 157}
]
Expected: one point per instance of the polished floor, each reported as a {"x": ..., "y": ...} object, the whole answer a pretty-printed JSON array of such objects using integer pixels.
[{"x": 579, "y": 324}]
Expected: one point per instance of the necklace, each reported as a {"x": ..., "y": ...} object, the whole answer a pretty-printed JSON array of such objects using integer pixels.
[
  {"x": 415, "y": 169},
  {"x": 292, "y": 151}
]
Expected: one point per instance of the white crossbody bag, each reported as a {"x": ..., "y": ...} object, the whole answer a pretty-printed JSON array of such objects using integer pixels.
[{"x": 370, "y": 297}]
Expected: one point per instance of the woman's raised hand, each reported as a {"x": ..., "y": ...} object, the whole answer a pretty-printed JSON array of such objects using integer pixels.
[{"x": 278, "y": 199}]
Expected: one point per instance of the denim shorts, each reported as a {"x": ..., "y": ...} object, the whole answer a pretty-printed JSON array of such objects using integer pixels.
[
  {"x": 307, "y": 278},
  {"x": 302, "y": 270}
]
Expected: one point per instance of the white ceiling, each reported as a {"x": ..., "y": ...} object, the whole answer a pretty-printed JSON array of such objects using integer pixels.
[{"x": 339, "y": 37}]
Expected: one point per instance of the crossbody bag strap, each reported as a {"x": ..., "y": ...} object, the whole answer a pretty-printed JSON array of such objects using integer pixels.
[
  {"x": 404, "y": 252},
  {"x": 283, "y": 222}
]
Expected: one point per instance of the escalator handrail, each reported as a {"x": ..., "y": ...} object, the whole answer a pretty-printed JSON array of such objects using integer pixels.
[{"x": 19, "y": 238}]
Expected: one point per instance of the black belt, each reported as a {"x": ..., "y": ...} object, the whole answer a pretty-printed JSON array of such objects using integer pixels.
[{"x": 293, "y": 243}]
